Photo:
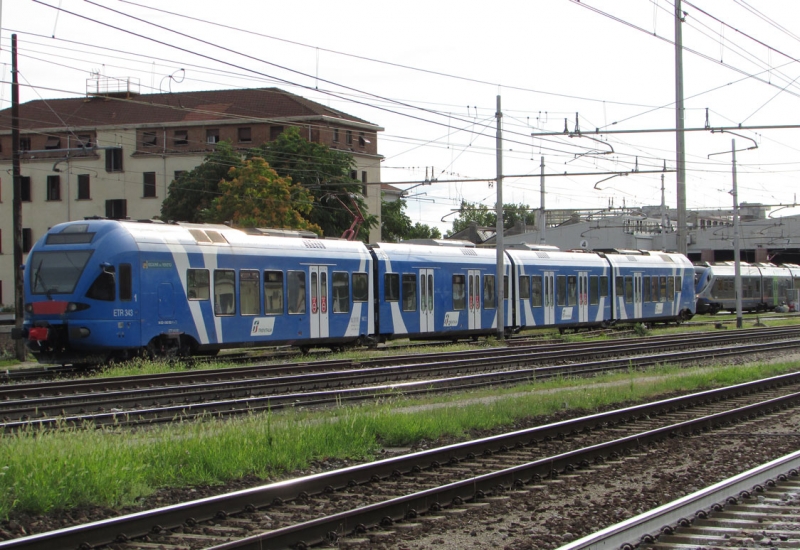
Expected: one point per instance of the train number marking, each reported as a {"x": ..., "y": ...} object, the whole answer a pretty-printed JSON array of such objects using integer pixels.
[{"x": 123, "y": 313}]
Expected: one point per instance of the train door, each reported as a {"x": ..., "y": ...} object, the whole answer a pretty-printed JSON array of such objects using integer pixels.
[
  {"x": 637, "y": 295},
  {"x": 474, "y": 292},
  {"x": 583, "y": 297},
  {"x": 426, "y": 301},
  {"x": 549, "y": 300},
  {"x": 319, "y": 301}
]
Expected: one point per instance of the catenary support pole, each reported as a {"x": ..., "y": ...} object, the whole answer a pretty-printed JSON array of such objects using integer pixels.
[
  {"x": 737, "y": 268},
  {"x": 19, "y": 345},
  {"x": 499, "y": 239},
  {"x": 680, "y": 142},
  {"x": 542, "y": 216}
]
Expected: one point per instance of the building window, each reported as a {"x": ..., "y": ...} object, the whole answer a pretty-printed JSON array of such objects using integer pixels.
[
  {"x": 25, "y": 144},
  {"x": 84, "y": 191},
  {"x": 27, "y": 240},
  {"x": 362, "y": 141},
  {"x": 349, "y": 137},
  {"x": 179, "y": 173},
  {"x": 25, "y": 188},
  {"x": 149, "y": 189},
  {"x": 181, "y": 137},
  {"x": 364, "y": 182},
  {"x": 245, "y": 135},
  {"x": 84, "y": 140},
  {"x": 353, "y": 174},
  {"x": 54, "y": 188},
  {"x": 212, "y": 136},
  {"x": 336, "y": 135},
  {"x": 116, "y": 209},
  {"x": 149, "y": 139},
  {"x": 274, "y": 132},
  {"x": 53, "y": 143},
  {"x": 114, "y": 159}
]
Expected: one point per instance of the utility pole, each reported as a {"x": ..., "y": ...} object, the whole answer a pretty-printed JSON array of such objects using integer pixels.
[
  {"x": 19, "y": 346},
  {"x": 737, "y": 268},
  {"x": 663, "y": 217},
  {"x": 543, "y": 217},
  {"x": 499, "y": 279},
  {"x": 680, "y": 142}
]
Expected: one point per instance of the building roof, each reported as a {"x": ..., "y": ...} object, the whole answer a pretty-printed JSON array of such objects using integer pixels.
[{"x": 175, "y": 108}]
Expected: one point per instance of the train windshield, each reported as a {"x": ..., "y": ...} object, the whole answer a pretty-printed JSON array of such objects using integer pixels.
[{"x": 57, "y": 272}]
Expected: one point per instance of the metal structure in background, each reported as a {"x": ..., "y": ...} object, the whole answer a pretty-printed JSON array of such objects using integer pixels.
[
  {"x": 19, "y": 346},
  {"x": 499, "y": 286},
  {"x": 680, "y": 140}
]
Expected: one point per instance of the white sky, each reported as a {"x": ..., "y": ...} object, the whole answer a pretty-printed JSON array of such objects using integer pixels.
[{"x": 547, "y": 59}]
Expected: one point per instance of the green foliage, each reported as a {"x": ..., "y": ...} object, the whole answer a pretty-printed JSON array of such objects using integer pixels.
[
  {"x": 481, "y": 214},
  {"x": 255, "y": 196},
  {"x": 641, "y": 329},
  {"x": 193, "y": 192},
  {"x": 324, "y": 171},
  {"x": 396, "y": 225}
]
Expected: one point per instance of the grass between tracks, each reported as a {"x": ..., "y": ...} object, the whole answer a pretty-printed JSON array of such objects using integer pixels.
[{"x": 63, "y": 469}]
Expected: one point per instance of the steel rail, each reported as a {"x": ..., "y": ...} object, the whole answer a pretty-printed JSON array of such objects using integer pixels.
[
  {"x": 248, "y": 405},
  {"x": 140, "y": 524}
]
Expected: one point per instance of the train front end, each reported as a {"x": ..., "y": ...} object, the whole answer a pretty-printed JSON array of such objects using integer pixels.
[{"x": 80, "y": 305}]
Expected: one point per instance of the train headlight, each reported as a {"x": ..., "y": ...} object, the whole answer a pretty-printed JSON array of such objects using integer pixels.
[
  {"x": 29, "y": 308},
  {"x": 76, "y": 306}
]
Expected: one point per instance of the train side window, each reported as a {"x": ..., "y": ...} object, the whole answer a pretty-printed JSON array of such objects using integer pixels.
[
  {"x": 561, "y": 290},
  {"x": 572, "y": 290},
  {"x": 663, "y": 289},
  {"x": 409, "y": 292},
  {"x": 360, "y": 287},
  {"x": 273, "y": 292},
  {"x": 670, "y": 289},
  {"x": 249, "y": 292},
  {"x": 524, "y": 287},
  {"x": 103, "y": 288},
  {"x": 197, "y": 287},
  {"x": 678, "y": 283},
  {"x": 459, "y": 292},
  {"x": 297, "y": 292},
  {"x": 655, "y": 295},
  {"x": 646, "y": 288},
  {"x": 341, "y": 292},
  {"x": 628, "y": 289},
  {"x": 224, "y": 291},
  {"x": 536, "y": 291},
  {"x": 125, "y": 283},
  {"x": 489, "y": 297},
  {"x": 619, "y": 286},
  {"x": 391, "y": 287},
  {"x": 593, "y": 290},
  {"x": 603, "y": 286},
  {"x": 505, "y": 287}
]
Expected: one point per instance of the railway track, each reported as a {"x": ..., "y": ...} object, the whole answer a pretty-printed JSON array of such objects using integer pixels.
[
  {"x": 179, "y": 396},
  {"x": 392, "y": 499}
]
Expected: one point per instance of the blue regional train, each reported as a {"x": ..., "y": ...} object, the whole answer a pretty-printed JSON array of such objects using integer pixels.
[{"x": 101, "y": 289}]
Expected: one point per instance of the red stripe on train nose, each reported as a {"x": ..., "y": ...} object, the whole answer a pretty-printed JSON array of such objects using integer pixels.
[{"x": 49, "y": 307}]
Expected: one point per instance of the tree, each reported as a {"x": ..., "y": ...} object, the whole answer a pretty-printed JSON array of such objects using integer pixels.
[
  {"x": 396, "y": 225},
  {"x": 324, "y": 170},
  {"x": 192, "y": 193},
  {"x": 481, "y": 214},
  {"x": 256, "y": 196}
]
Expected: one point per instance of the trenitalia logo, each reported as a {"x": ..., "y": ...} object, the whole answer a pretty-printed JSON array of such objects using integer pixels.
[{"x": 262, "y": 326}]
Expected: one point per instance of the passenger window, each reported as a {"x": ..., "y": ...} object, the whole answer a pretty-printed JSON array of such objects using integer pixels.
[
  {"x": 391, "y": 287},
  {"x": 619, "y": 289},
  {"x": 656, "y": 295},
  {"x": 224, "y": 291},
  {"x": 249, "y": 289},
  {"x": 536, "y": 291},
  {"x": 505, "y": 287},
  {"x": 197, "y": 287},
  {"x": 561, "y": 290},
  {"x": 273, "y": 292},
  {"x": 409, "y": 292},
  {"x": 646, "y": 288},
  {"x": 663, "y": 289},
  {"x": 360, "y": 287},
  {"x": 459, "y": 292},
  {"x": 125, "y": 283},
  {"x": 670, "y": 289},
  {"x": 489, "y": 296},
  {"x": 341, "y": 292},
  {"x": 572, "y": 290},
  {"x": 524, "y": 287},
  {"x": 603, "y": 286},
  {"x": 678, "y": 283},
  {"x": 593, "y": 290},
  {"x": 297, "y": 292},
  {"x": 628, "y": 290},
  {"x": 103, "y": 288}
]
